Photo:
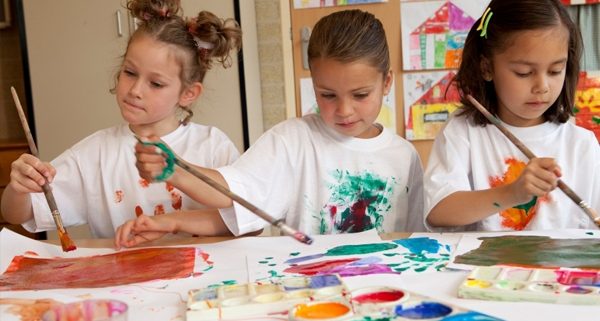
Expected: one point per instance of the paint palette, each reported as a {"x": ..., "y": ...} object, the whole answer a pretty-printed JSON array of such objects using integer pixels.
[
  {"x": 319, "y": 297},
  {"x": 263, "y": 298},
  {"x": 503, "y": 283}
]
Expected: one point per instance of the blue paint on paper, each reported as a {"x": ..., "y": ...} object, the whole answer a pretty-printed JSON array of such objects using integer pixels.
[
  {"x": 425, "y": 310},
  {"x": 304, "y": 258},
  {"x": 366, "y": 261},
  {"x": 419, "y": 245},
  {"x": 470, "y": 316},
  {"x": 322, "y": 281}
]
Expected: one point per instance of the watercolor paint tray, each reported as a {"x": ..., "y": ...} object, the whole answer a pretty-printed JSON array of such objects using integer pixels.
[
  {"x": 505, "y": 283},
  {"x": 319, "y": 297}
]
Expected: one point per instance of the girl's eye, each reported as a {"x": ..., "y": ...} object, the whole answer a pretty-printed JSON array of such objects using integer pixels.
[
  {"x": 361, "y": 95},
  {"x": 522, "y": 75},
  {"x": 328, "y": 96},
  {"x": 128, "y": 72},
  {"x": 556, "y": 72},
  {"x": 156, "y": 84}
]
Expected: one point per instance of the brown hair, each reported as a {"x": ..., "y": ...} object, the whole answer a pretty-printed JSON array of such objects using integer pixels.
[
  {"x": 348, "y": 36},
  {"x": 509, "y": 17},
  {"x": 199, "y": 40}
]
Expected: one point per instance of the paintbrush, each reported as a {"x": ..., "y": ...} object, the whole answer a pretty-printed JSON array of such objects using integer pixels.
[
  {"x": 563, "y": 187},
  {"x": 65, "y": 241},
  {"x": 279, "y": 223}
]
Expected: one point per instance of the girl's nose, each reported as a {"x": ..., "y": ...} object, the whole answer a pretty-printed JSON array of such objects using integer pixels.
[
  {"x": 541, "y": 85},
  {"x": 344, "y": 108},
  {"x": 136, "y": 89}
]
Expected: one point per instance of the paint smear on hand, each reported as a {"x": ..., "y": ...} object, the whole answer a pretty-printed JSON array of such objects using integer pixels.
[
  {"x": 534, "y": 251},
  {"x": 26, "y": 273},
  {"x": 138, "y": 211}
]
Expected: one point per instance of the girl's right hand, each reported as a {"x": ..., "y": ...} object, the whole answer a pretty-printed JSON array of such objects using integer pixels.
[
  {"x": 142, "y": 229},
  {"x": 539, "y": 178},
  {"x": 28, "y": 173},
  {"x": 150, "y": 161}
]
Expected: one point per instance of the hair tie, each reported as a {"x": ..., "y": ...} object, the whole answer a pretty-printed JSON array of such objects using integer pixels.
[{"x": 483, "y": 24}]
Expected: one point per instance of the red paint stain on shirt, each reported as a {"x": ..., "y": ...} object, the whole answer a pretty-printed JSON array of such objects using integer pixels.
[
  {"x": 176, "y": 200},
  {"x": 144, "y": 183},
  {"x": 159, "y": 209},
  {"x": 169, "y": 187},
  {"x": 118, "y": 196},
  {"x": 138, "y": 211}
]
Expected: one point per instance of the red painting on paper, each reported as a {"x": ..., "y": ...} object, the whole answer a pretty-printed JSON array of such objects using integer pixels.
[
  {"x": 587, "y": 102},
  {"x": 32, "y": 273}
]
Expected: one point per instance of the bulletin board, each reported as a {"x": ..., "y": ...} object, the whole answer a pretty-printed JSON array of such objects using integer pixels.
[{"x": 425, "y": 39}]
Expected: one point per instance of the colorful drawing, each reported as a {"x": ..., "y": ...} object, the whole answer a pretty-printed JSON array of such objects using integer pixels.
[
  {"x": 434, "y": 32},
  {"x": 412, "y": 255},
  {"x": 301, "y": 4},
  {"x": 429, "y": 99},
  {"x": 34, "y": 273},
  {"x": 587, "y": 102},
  {"x": 386, "y": 117},
  {"x": 501, "y": 283},
  {"x": 534, "y": 252}
]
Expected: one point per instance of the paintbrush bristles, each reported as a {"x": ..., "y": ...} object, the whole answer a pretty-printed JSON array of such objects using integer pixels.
[{"x": 561, "y": 185}]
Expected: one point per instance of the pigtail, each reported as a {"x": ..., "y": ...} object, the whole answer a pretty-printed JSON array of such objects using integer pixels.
[
  {"x": 188, "y": 116},
  {"x": 148, "y": 10},
  {"x": 215, "y": 38}
]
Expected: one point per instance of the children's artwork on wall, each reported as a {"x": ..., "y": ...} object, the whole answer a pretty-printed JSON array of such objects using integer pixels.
[
  {"x": 531, "y": 249},
  {"x": 426, "y": 252},
  {"x": 434, "y": 32},
  {"x": 387, "y": 114},
  {"x": 587, "y": 101},
  {"x": 301, "y": 4},
  {"x": 428, "y": 102},
  {"x": 577, "y": 2}
]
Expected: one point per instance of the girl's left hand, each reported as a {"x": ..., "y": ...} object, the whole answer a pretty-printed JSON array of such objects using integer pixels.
[{"x": 143, "y": 229}]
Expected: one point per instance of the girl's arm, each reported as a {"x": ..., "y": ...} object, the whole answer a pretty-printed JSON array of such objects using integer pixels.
[
  {"x": 27, "y": 175},
  {"x": 206, "y": 222},
  {"x": 465, "y": 207},
  {"x": 151, "y": 163}
]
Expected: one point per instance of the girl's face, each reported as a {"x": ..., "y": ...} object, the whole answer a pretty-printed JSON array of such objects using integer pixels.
[
  {"x": 149, "y": 89},
  {"x": 529, "y": 75},
  {"x": 349, "y": 95}
]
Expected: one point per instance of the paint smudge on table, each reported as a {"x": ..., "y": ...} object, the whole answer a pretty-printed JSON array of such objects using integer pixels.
[{"x": 29, "y": 309}]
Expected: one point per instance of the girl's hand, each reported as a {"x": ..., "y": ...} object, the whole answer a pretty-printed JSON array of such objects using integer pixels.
[
  {"x": 150, "y": 160},
  {"x": 142, "y": 229},
  {"x": 28, "y": 174},
  {"x": 539, "y": 177}
]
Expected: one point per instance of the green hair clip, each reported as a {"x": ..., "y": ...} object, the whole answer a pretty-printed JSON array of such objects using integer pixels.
[
  {"x": 483, "y": 24},
  {"x": 169, "y": 170}
]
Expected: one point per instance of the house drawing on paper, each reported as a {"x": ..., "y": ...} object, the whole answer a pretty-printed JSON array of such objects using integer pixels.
[
  {"x": 587, "y": 103},
  {"x": 438, "y": 42},
  {"x": 429, "y": 113}
]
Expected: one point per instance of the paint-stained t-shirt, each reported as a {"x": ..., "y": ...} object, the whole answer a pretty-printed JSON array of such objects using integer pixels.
[
  {"x": 322, "y": 182},
  {"x": 466, "y": 157},
  {"x": 97, "y": 182}
]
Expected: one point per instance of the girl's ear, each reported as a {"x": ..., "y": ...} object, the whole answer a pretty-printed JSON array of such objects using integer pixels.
[
  {"x": 190, "y": 94},
  {"x": 387, "y": 82},
  {"x": 486, "y": 69}
]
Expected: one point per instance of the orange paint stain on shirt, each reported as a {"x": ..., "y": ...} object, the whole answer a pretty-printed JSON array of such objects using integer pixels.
[
  {"x": 144, "y": 183},
  {"x": 118, "y": 196},
  {"x": 138, "y": 211},
  {"x": 159, "y": 209},
  {"x": 169, "y": 187},
  {"x": 519, "y": 216}
]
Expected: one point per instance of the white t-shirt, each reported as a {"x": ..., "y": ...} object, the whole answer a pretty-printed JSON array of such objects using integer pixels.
[
  {"x": 323, "y": 182},
  {"x": 97, "y": 182},
  {"x": 466, "y": 157}
]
